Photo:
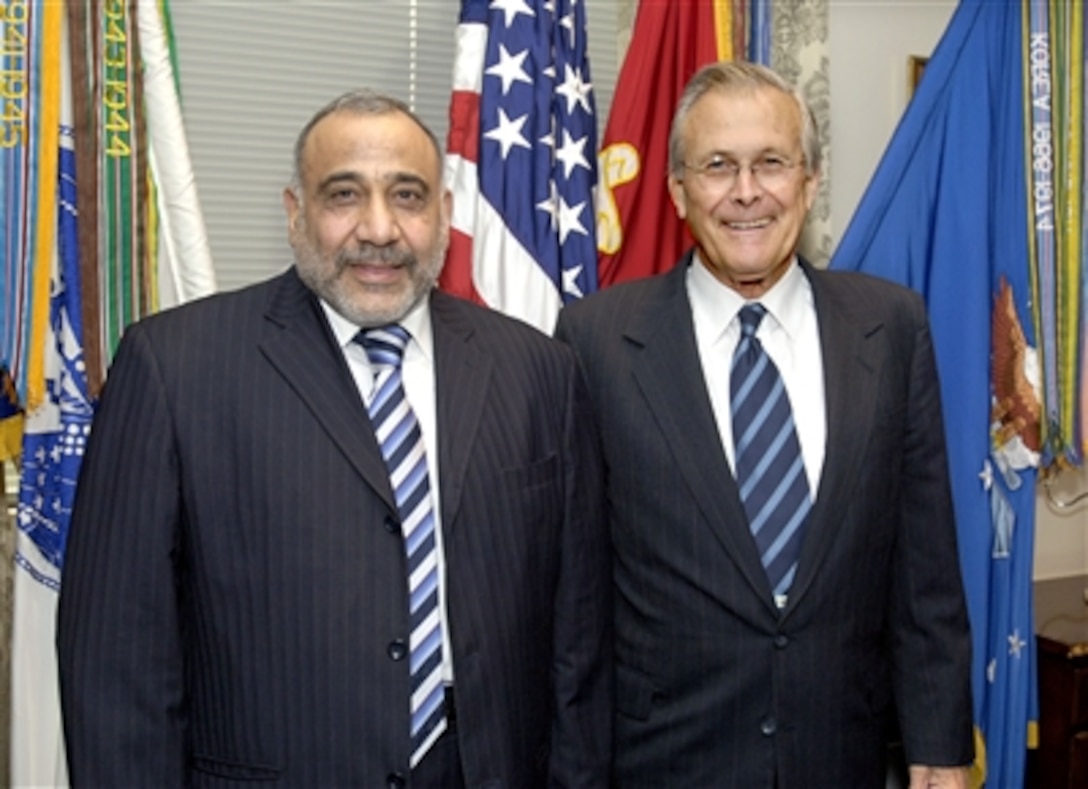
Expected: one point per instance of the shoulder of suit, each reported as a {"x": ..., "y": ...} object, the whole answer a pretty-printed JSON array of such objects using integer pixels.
[
  {"x": 488, "y": 325},
  {"x": 217, "y": 309},
  {"x": 858, "y": 287},
  {"x": 623, "y": 296}
]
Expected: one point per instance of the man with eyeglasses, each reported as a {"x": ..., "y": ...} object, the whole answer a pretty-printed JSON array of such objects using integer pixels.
[{"x": 788, "y": 592}]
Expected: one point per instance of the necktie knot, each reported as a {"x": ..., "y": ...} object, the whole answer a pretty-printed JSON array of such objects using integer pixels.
[
  {"x": 384, "y": 345},
  {"x": 750, "y": 317}
]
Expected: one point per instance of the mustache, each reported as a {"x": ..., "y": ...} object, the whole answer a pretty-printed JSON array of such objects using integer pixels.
[{"x": 372, "y": 254}]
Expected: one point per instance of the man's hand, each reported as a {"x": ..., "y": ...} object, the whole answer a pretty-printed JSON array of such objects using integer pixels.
[{"x": 922, "y": 777}]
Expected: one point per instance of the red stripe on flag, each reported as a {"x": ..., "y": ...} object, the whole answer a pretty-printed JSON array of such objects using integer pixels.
[
  {"x": 456, "y": 277},
  {"x": 464, "y": 135}
]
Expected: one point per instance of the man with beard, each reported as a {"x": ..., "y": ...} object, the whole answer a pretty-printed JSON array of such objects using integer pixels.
[{"x": 339, "y": 528}]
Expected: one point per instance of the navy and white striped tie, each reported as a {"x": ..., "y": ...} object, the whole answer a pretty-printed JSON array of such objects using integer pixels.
[
  {"x": 405, "y": 455},
  {"x": 770, "y": 471}
]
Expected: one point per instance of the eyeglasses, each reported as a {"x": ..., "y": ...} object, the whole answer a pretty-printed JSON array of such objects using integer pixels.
[{"x": 770, "y": 171}]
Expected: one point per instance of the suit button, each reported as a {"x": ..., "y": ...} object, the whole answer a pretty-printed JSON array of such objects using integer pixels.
[
  {"x": 392, "y": 525},
  {"x": 780, "y": 641},
  {"x": 397, "y": 649},
  {"x": 396, "y": 781},
  {"x": 768, "y": 726}
]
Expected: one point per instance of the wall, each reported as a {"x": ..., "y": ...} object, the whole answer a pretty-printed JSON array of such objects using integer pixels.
[
  {"x": 1061, "y": 534},
  {"x": 870, "y": 43}
]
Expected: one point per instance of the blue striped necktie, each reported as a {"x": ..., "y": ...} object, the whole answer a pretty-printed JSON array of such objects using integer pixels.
[
  {"x": 405, "y": 455},
  {"x": 770, "y": 471}
]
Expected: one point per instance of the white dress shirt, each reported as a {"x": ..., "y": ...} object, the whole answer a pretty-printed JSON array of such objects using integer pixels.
[
  {"x": 417, "y": 375},
  {"x": 789, "y": 333}
]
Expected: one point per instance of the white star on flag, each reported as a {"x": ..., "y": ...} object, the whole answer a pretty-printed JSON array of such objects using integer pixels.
[
  {"x": 550, "y": 206},
  {"x": 574, "y": 90},
  {"x": 1016, "y": 644},
  {"x": 568, "y": 219},
  {"x": 567, "y": 22},
  {"x": 572, "y": 153},
  {"x": 570, "y": 282},
  {"x": 522, "y": 159},
  {"x": 509, "y": 69},
  {"x": 511, "y": 8},
  {"x": 508, "y": 133},
  {"x": 987, "y": 474}
]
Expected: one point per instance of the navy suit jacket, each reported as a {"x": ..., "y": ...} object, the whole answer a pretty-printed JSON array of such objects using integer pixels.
[
  {"x": 714, "y": 685},
  {"x": 234, "y": 585}
]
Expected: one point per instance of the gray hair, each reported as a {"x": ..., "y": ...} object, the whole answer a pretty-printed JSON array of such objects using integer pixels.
[
  {"x": 732, "y": 77},
  {"x": 358, "y": 102}
]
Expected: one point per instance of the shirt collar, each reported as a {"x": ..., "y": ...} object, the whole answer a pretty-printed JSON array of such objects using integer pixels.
[
  {"x": 715, "y": 305},
  {"x": 786, "y": 300},
  {"x": 417, "y": 322}
]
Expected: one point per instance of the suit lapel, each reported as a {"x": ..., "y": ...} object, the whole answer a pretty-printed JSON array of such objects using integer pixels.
[
  {"x": 298, "y": 342},
  {"x": 850, "y": 376},
  {"x": 668, "y": 373},
  {"x": 462, "y": 377}
]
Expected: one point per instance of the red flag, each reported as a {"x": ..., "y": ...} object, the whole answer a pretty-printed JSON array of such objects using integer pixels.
[{"x": 638, "y": 232}]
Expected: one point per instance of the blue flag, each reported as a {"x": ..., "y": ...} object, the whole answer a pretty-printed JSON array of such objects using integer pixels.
[
  {"x": 53, "y": 442},
  {"x": 57, "y": 434},
  {"x": 946, "y": 214}
]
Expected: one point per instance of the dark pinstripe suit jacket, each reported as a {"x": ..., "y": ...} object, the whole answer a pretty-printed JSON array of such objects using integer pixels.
[
  {"x": 234, "y": 579},
  {"x": 713, "y": 686}
]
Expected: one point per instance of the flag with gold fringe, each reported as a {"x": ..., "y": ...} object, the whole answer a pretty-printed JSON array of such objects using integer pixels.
[
  {"x": 100, "y": 226},
  {"x": 978, "y": 205}
]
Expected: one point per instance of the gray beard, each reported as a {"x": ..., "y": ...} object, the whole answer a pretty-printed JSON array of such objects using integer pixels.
[{"x": 331, "y": 286}]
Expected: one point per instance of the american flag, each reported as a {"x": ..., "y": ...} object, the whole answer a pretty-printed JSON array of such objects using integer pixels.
[{"x": 522, "y": 159}]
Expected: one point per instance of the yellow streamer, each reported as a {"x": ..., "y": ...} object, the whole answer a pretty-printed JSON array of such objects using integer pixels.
[
  {"x": 48, "y": 154},
  {"x": 1069, "y": 268},
  {"x": 723, "y": 28}
]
